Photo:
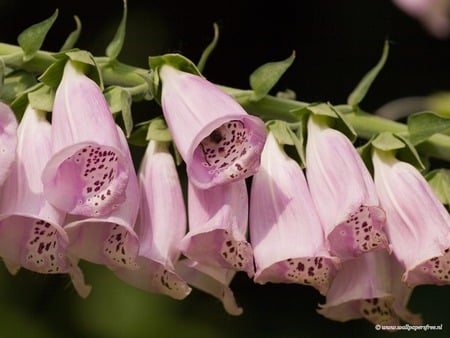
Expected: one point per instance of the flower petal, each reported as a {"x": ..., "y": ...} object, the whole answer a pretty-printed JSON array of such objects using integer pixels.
[
  {"x": 88, "y": 173},
  {"x": 109, "y": 240},
  {"x": 160, "y": 227},
  {"x": 343, "y": 192},
  {"x": 418, "y": 225},
  {"x": 216, "y": 138},
  {"x": 285, "y": 231},
  {"x": 212, "y": 280},
  {"x": 218, "y": 220},
  {"x": 8, "y": 140}
]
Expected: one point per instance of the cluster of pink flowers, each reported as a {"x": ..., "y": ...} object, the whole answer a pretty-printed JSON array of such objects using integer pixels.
[{"x": 70, "y": 191}]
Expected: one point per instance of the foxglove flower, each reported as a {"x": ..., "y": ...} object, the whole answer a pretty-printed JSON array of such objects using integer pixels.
[
  {"x": 88, "y": 173},
  {"x": 161, "y": 225},
  {"x": 109, "y": 240},
  {"x": 31, "y": 233},
  {"x": 218, "y": 222},
  {"x": 212, "y": 280},
  {"x": 343, "y": 192},
  {"x": 369, "y": 287},
  {"x": 418, "y": 225},
  {"x": 288, "y": 241},
  {"x": 8, "y": 140},
  {"x": 433, "y": 14},
  {"x": 217, "y": 139}
]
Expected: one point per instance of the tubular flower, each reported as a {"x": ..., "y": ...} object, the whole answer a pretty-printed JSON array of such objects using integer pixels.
[
  {"x": 288, "y": 241},
  {"x": 109, "y": 240},
  {"x": 211, "y": 280},
  {"x": 343, "y": 192},
  {"x": 369, "y": 286},
  {"x": 218, "y": 222},
  {"x": 216, "y": 138},
  {"x": 31, "y": 233},
  {"x": 160, "y": 226},
  {"x": 88, "y": 173},
  {"x": 418, "y": 225},
  {"x": 8, "y": 140}
]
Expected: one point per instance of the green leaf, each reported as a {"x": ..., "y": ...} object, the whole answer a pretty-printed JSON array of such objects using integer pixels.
[
  {"x": 387, "y": 141},
  {"x": 115, "y": 46},
  {"x": 73, "y": 37},
  {"x": 363, "y": 86},
  {"x": 16, "y": 83},
  {"x": 113, "y": 96},
  {"x": 126, "y": 101},
  {"x": 439, "y": 181},
  {"x": 157, "y": 130},
  {"x": 209, "y": 49},
  {"x": 32, "y": 38},
  {"x": 335, "y": 119},
  {"x": 53, "y": 74},
  {"x": 264, "y": 78},
  {"x": 423, "y": 125},
  {"x": 138, "y": 136},
  {"x": 42, "y": 98}
]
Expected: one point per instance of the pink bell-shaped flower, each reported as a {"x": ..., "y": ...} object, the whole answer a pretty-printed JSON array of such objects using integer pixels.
[
  {"x": 212, "y": 280},
  {"x": 8, "y": 140},
  {"x": 217, "y": 139},
  {"x": 218, "y": 224},
  {"x": 31, "y": 233},
  {"x": 161, "y": 225},
  {"x": 88, "y": 172},
  {"x": 109, "y": 240},
  {"x": 343, "y": 192},
  {"x": 418, "y": 225},
  {"x": 285, "y": 231},
  {"x": 369, "y": 286}
]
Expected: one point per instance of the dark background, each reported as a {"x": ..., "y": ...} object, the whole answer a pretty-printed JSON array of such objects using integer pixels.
[{"x": 336, "y": 42}]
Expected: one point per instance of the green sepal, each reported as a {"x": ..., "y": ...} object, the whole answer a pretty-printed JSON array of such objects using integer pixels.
[
  {"x": 265, "y": 77},
  {"x": 290, "y": 134},
  {"x": 154, "y": 129},
  {"x": 423, "y": 125},
  {"x": 16, "y": 83},
  {"x": 73, "y": 37},
  {"x": 209, "y": 49},
  {"x": 335, "y": 118},
  {"x": 119, "y": 100},
  {"x": 405, "y": 151},
  {"x": 115, "y": 46},
  {"x": 358, "y": 94},
  {"x": 42, "y": 98},
  {"x": 439, "y": 181},
  {"x": 177, "y": 61},
  {"x": 32, "y": 38},
  {"x": 53, "y": 74}
]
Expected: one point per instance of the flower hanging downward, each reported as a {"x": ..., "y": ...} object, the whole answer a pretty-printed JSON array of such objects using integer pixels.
[
  {"x": 288, "y": 241},
  {"x": 216, "y": 138},
  {"x": 418, "y": 225},
  {"x": 343, "y": 192},
  {"x": 161, "y": 225},
  {"x": 369, "y": 287},
  {"x": 218, "y": 220},
  {"x": 31, "y": 233},
  {"x": 88, "y": 172},
  {"x": 109, "y": 240},
  {"x": 8, "y": 140}
]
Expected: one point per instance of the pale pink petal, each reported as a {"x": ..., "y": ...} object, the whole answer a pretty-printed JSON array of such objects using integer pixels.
[
  {"x": 8, "y": 140},
  {"x": 109, "y": 240},
  {"x": 216, "y": 138},
  {"x": 211, "y": 280},
  {"x": 88, "y": 172},
  {"x": 161, "y": 225},
  {"x": 418, "y": 225},
  {"x": 218, "y": 222},
  {"x": 343, "y": 192},
  {"x": 366, "y": 287},
  {"x": 31, "y": 233},
  {"x": 285, "y": 231}
]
